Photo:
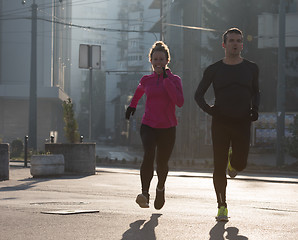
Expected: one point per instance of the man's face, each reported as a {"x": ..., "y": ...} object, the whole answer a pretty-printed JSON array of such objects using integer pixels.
[{"x": 233, "y": 45}]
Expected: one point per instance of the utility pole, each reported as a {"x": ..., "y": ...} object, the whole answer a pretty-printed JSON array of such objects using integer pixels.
[
  {"x": 90, "y": 91},
  {"x": 90, "y": 58},
  {"x": 33, "y": 81},
  {"x": 280, "y": 104},
  {"x": 0, "y": 41},
  {"x": 161, "y": 20}
]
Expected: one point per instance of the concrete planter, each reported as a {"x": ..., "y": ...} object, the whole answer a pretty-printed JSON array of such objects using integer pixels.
[
  {"x": 46, "y": 165},
  {"x": 79, "y": 158},
  {"x": 4, "y": 161}
]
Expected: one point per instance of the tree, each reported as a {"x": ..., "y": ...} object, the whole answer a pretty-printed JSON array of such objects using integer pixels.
[
  {"x": 16, "y": 148},
  {"x": 71, "y": 126}
]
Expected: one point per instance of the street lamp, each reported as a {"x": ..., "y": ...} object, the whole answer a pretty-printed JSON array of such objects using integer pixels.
[
  {"x": 33, "y": 80},
  {"x": 280, "y": 104}
]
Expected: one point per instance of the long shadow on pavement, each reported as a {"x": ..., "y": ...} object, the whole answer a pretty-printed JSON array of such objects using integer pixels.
[
  {"x": 218, "y": 231},
  {"x": 28, "y": 183},
  {"x": 233, "y": 234},
  {"x": 136, "y": 231}
]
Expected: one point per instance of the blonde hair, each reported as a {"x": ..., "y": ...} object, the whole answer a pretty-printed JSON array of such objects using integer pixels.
[{"x": 162, "y": 47}]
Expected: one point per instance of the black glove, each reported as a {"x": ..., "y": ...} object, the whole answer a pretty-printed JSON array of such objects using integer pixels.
[
  {"x": 129, "y": 111},
  {"x": 213, "y": 111},
  {"x": 254, "y": 115},
  {"x": 165, "y": 75}
]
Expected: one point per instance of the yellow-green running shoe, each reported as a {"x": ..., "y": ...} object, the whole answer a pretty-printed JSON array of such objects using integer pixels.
[
  {"x": 231, "y": 171},
  {"x": 222, "y": 214}
]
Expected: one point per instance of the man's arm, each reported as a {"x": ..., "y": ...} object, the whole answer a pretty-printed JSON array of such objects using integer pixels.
[
  {"x": 255, "y": 102},
  {"x": 256, "y": 91},
  {"x": 201, "y": 90}
]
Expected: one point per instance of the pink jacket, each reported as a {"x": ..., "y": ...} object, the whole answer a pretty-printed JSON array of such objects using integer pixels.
[{"x": 163, "y": 94}]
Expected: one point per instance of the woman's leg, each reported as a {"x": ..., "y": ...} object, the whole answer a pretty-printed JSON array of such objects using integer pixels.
[
  {"x": 165, "y": 144},
  {"x": 147, "y": 168}
]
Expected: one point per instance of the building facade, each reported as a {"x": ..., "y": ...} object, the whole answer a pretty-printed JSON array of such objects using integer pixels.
[{"x": 53, "y": 54}]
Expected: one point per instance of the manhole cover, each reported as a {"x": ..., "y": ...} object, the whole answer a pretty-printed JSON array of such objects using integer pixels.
[
  {"x": 59, "y": 203},
  {"x": 67, "y": 212}
]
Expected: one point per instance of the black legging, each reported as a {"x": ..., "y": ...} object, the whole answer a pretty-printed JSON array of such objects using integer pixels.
[
  {"x": 224, "y": 135},
  {"x": 159, "y": 142}
]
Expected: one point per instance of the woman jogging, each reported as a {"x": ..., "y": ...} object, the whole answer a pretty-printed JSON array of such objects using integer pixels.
[{"x": 163, "y": 92}]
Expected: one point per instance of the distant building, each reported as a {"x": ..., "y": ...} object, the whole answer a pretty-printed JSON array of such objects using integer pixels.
[
  {"x": 53, "y": 68},
  {"x": 185, "y": 46},
  {"x": 268, "y": 38},
  {"x": 132, "y": 48},
  {"x": 90, "y": 19}
]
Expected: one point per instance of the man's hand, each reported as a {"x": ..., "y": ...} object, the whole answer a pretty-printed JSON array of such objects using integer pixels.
[
  {"x": 254, "y": 115},
  {"x": 213, "y": 111},
  {"x": 129, "y": 111}
]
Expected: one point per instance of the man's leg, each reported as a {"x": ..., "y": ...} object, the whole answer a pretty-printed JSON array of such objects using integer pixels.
[
  {"x": 240, "y": 145},
  {"x": 221, "y": 144}
]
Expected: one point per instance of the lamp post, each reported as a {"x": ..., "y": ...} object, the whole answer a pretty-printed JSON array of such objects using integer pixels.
[
  {"x": 32, "y": 143},
  {"x": 90, "y": 58},
  {"x": 33, "y": 80},
  {"x": 280, "y": 104}
]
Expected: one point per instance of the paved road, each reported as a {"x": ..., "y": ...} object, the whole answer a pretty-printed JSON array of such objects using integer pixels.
[
  {"x": 260, "y": 207},
  {"x": 119, "y": 152}
]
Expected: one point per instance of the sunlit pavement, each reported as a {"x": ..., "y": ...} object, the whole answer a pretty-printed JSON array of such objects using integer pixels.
[{"x": 260, "y": 207}]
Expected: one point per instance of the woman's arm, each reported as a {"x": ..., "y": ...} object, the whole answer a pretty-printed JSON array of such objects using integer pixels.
[{"x": 173, "y": 86}]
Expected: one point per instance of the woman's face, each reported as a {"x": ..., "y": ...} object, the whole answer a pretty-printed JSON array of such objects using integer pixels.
[{"x": 158, "y": 61}]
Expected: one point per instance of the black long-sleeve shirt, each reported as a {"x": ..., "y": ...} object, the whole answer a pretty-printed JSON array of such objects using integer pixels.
[{"x": 236, "y": 90}]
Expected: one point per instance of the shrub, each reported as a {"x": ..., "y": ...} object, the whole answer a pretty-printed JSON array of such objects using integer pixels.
[
  {"x": 71, "y": 126},
  {"x": 16, "y": 148}
]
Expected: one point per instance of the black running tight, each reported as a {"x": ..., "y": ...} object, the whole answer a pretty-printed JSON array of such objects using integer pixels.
[
  {"x": 236, "y": 135},
  {"x": 157, "y": 142}
]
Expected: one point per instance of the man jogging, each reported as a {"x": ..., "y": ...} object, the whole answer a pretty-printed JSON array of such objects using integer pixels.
[{"x": 236, "y": 89}]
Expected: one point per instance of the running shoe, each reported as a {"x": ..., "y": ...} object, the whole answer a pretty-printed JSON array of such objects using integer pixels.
[
  {"x": 143, "y": 200},
  {"x": 222, "y": 215},
  {"x": 159, "y": 198},
  {"x": 231, "y": 171}
]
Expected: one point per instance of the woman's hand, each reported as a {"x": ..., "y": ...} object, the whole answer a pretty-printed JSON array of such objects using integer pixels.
[
  {"x": 129, "y": 111},
  {"x": 165, "y": 75}
]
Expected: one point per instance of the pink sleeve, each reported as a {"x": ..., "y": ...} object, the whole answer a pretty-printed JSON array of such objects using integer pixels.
[
  {"x": 173, "y": 87},
  {"x": 138, "y": 94}
]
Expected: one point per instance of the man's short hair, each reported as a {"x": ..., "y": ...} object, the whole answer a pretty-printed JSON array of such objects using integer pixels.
[{"x": 231, "y": 30}]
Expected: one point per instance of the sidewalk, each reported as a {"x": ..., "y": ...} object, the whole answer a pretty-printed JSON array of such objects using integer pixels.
[{"x": 257, "y": 162}]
